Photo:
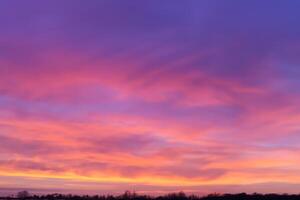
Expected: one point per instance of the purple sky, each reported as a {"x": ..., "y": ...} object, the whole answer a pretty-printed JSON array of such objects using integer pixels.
[{"x": 150, "y": 95}]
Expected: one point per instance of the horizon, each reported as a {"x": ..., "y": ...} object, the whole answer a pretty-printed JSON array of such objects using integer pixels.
[
  {"x": 291, "y": 189},
  {"x": 24, "y": 194},
  {"x": 150, "y": 96}
]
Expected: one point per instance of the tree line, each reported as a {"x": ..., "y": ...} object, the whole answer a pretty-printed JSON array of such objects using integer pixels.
[{"x": 24, "y": 195}]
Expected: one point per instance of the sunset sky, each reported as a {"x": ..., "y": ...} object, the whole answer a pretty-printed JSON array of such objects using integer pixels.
[{"x": 103, "y": 96}]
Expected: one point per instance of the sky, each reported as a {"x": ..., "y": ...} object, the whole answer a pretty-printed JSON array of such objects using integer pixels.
[{"x": 103, "y": 96}]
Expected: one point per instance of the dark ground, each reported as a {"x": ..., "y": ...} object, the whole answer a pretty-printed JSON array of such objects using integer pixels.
[{"x": 172, "y": 196}]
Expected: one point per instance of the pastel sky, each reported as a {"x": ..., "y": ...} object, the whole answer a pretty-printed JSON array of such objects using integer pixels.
[{"x": 150, "y": 95}]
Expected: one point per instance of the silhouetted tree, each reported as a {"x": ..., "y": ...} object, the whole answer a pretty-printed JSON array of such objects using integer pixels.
[{"x": 23, "y": 194}]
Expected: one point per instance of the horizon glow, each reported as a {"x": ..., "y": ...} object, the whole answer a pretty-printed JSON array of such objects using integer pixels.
[{"x": 152, "y": 96}]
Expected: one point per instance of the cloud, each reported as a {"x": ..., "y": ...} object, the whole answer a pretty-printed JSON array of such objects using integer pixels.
[{"x": 150, "y": 94}]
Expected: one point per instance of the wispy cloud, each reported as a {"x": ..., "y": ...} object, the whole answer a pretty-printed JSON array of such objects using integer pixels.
[{"x": 151, "y": 95}]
